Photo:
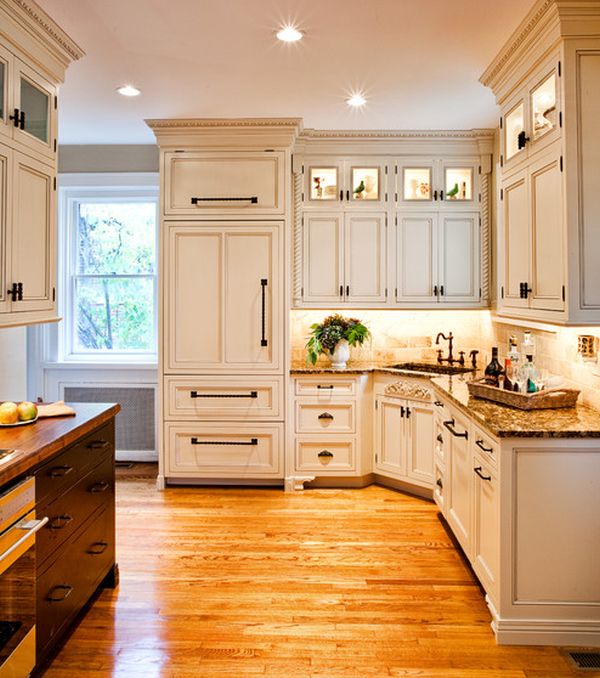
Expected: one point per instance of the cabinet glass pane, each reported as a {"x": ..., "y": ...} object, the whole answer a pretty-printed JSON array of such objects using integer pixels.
[
  {"x": 417, "y": 183},
  {"x": 34, "y": 102},
  {"x": 323, "y": 183},
  {"x": 513, "y": 127},
  {"x": 459, "y": 183},
  {"x": 2, "y": 88},
  {"x": 365, "y": 183},
  {"x": 543, "y": 107}
]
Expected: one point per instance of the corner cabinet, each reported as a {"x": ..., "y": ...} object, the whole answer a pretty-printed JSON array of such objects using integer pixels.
[
  {"x": 28, "y": 145},
  {"x": 546, "y": 82},
  {"x": 392, "y": 231},
  {"x": 222, "y": 285}
]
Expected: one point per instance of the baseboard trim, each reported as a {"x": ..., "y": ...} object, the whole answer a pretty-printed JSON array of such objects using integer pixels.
[
  {"x": 407, "y": 488},
  {"x": 229, "y": 482},
  {"x": 350, "y": 482}
]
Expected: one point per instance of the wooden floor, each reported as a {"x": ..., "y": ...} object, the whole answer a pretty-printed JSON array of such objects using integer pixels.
[{"x": 255, "y": 582}]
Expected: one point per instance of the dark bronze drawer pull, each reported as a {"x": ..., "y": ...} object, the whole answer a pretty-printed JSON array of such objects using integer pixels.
[
  {"x": 263, "y": 311},
  {"x": 99, "y": 444},
  {"x": 58, "y": 522},
  {"x": 438, "y": 403},
  {"x": 439, "y": 438},
  {"x": 98, "y": 548},
  {"x": 450, "y": 426},
  {"x": 326, "y": 415},
  {"x": 325, "y": 454},
  {"x": 195, "y": 394},
  {"x": 321, "y": 387},
  {"x": 60, "y": 471},
  {"x": 480, "y": 474},
  {"x": 252, "y": 199},
  {"x": 481, "y": 446},
  {"x": 67, "y": 590},
  {"x": 100, "y": 486},
  {"x": 195, "y": 441},
  {"x": 439, "y": 483}
]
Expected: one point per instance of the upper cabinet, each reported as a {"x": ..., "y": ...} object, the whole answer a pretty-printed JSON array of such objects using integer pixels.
[
  {"x": 437, "y": 183},
  {"x": 546, "y": 80},
  {"x": 357, "y": 183},
  {"x": 34, "y": 53}
]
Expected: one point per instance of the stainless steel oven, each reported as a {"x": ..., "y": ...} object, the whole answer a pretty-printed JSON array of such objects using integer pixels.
[{"x": 18, "y": 526}]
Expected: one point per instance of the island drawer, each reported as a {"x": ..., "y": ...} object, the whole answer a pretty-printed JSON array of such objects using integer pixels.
[
  {"x": 318, "y": 418},
  {"x": 484, "y": 444},
  {"x": 323, "y": 455},
  {"x": 326, "y": 387}
]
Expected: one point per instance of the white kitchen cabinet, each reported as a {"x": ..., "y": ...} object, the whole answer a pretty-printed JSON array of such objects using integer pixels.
[
  {"x": 403, "y": 431},
  {"x": 242, "y": 184},
  {"x": 5, "y": 214},
  {"x": 437, "y": 258},
  {"x": 224, "y": 296},
  {"x": 359, "y": 182},
  {"x": 438, "y": 183},
  {"x": 344, "y": 258},
  {"x": 545, "y": 81},
  {"x": 532, "y": 235},
  {"x": 486, "y": 523}
]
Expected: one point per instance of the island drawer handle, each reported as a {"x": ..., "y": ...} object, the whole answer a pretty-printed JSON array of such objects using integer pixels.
[
  {"x": 252, "y": 199},
  {"x": 60, "y": 522},
  {"x": 481, "y": 446},
  {"x": 330, "y": 387},
  {"x": 450, "y": 426},
  {"x": 480, "y": 474},
  {"x": 61, "y": 587},
  {"x": 98, "y": 548},
  {"x": 195, "y": 394},
  {"x": 99, "y": 444},
  {"x": 439, "y": 483},
  {"x": 195, "y": 441},
  {"x": 60, "y": 471},
  {"x": 438, "y": 403},
  {"x": 326, "y": 415},
  {"x": 439, "y": 438}
]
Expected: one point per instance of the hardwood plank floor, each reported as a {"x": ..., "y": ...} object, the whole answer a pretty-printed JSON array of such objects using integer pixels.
[{"x": 255, "y": 582}]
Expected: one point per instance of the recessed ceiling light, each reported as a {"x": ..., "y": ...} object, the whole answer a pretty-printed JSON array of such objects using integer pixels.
[
  {"x": 289, "y": 34},
  {"x": 128, "y": 91},
  {"x": 356, "y": 100}
]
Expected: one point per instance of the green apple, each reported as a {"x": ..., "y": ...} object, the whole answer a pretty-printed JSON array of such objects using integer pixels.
[
  {"x": 27, "y": 411},
  {"x": 9, "y": 413}
]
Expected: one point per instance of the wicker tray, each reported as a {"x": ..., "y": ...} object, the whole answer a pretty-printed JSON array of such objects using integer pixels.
[{"x": 547, "y": 399}]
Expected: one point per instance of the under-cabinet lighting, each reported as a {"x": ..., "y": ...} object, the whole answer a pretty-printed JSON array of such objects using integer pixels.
[
  {"x": 356, "y": 100},
  {"x": 289, "y": 34},
  {"x": 128, "y": 91}
]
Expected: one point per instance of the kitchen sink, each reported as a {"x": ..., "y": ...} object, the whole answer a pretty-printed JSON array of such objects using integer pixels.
[{"x": 431, "y": 368}]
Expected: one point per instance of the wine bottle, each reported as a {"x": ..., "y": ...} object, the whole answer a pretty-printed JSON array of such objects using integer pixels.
[
  {"x": 507, "y": 384},
  {"x": 494, "y": 369}
]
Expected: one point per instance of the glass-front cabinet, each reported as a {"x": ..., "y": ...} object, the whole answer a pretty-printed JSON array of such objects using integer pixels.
[
  {"x": 344, "y": 182},
  {"x": 532, "y": 119},
  {"x": 437, "y": 183}
]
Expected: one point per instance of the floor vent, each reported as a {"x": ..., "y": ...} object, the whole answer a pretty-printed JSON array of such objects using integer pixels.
[{"x": 585, "y": 661}]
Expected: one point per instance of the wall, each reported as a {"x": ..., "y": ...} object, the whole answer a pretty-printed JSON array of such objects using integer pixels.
[
  {"x": 100, "y": 158},
  {"x": 13, "y": 363}
]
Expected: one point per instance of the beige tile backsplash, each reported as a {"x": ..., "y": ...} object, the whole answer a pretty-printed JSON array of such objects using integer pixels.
[{"x": 400, "y": 335}]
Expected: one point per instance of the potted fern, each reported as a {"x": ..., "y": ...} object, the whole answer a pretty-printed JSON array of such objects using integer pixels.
[{"x": 335, "y": 335}]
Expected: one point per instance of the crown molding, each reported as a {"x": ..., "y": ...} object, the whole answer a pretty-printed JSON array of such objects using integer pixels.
[
  {"x": 236, "y": 123},
  {"x": 397, "y": 134},
  {"x": 30, "y": 16}
]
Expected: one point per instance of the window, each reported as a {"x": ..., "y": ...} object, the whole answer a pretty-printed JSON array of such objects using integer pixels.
[{"x": 109, "y": 272}]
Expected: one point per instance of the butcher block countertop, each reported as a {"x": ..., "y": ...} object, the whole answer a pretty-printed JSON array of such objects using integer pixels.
[
  {"x": 508, "y": 422},
  {"x": 46, "y": 437}
]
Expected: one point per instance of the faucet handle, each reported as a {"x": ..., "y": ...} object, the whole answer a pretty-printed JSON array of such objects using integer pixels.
[
  {"x": 473, "y": 356},
  {"x": 461, "y": 358},
  {"x": 439, "y": 358}
]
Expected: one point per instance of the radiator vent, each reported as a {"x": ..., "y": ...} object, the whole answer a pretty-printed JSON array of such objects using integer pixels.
[
  {"x": 585, "y": 661},
  {"x": 135, "y": 428}
]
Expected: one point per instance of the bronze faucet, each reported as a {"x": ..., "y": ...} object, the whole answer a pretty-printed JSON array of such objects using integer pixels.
[{"x": 449, "y": 339}]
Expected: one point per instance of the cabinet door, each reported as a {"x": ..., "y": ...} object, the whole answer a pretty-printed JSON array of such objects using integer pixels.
[
  {"x": 460, "y": 481},
  {"x": 223, "y": 298},
  {"x": 459, "y": 186},
  {"x": 33, "y": 234},
  {"x": 416, "y": 257},
  {"x": 458, "y": 276},
  {"x": 5, "y": 192},
  {"x": 323, "y": 258},
  {"x": 486, "y": 530},
  {"x": 547, "y": 219},
  {"x": 414, "y": 183},
  {"x": 365, "y": 183},
  {"x": 34, "y": 97},
  {"x": 365, "y": 255},
  {"x": 390, "y": 440},
  {"x": 323, "y": 179},
  {"x": 516, "y": 238},
  {"x": 6, "y": 125},
  {"x": 419, "y": 426}
]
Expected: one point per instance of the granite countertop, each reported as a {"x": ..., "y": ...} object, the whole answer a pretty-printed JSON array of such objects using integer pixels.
[
  {"x": 361, "y": 368},
  {"x": 508, "y": 422},
  {"x": 46, "y": 437}
]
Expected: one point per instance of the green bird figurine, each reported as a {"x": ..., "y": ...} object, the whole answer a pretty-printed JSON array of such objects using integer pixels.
[
  {"x": 361, "y": 187},
  {"x": 453, "y": 192}
]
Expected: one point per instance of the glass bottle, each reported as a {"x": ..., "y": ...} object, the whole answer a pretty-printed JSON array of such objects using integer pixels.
[
  {"x": 532, "y": 376},
  {"x": 494, "y": 369},
  {"x": 528, "y": 345},
  {"x": 507, "y": 384},
  {"x": 513, "y": 352}
]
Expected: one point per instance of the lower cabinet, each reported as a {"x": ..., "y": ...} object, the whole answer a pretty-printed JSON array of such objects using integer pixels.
[
  {"x": 403, "y": 430},
  {"x": 486, "y": 524},
  {"x": 75, "y": 551},
  {"x": 459, "y": 480}
]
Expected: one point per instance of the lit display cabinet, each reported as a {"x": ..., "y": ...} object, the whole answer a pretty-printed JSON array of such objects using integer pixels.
[{"x": 437, "y": 183}]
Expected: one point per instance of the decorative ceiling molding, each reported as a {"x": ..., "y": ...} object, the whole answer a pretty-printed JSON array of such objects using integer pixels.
[
  {"x": 397, "y": 134},
  {"x": 46, "y": 26},
  {"x": 522, "y": 33},
  {"x": 203, "y": 123}
]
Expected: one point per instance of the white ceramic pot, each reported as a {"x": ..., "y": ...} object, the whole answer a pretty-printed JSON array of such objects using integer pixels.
[{"x": 340, "y": 355}]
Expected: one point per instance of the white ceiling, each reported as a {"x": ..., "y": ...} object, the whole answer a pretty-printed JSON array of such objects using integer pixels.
[{"x": 418, "y": 62}]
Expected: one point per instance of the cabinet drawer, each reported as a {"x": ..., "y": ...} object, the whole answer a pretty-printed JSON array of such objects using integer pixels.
[
  {"x": 484, "y": 445},
  {"x": 66, "y": 468},
  {"x": 325, "y": 387},
  {"x": 223, "y": 183},
  {"x": 62, "y": 589},
  {"x": 208, "y": 450},
  {"x": 69, "y": 511},
  {"x": 438, "y": 487},
  {"x": 316, "y": 418},
  {"x": 325, "y": 456},
  {"x": 228, "y": 398}
]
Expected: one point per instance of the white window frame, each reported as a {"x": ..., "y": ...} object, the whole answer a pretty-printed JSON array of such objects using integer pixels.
[{"x": 104, "y": 187}]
